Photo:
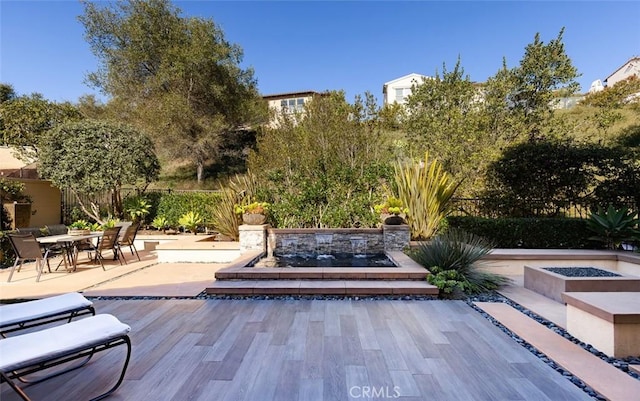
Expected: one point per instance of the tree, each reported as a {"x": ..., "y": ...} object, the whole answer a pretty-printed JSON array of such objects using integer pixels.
[
  {"x": 176, "y": 77},
  {"x": 25, "y": 119},
  {"x": 545, "y": 72},
  {"x": 6, "y": 93},
  {"x": 91, "y": 156},
  {"x": 324, "y": 167},
  {"x": 444, "y": 117}
]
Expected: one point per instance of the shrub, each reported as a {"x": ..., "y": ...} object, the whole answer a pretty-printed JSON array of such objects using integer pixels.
[
  {"x": 529, "y": 233},
  {"x": 454, "y": 260},
  {"x": 173, "y": 206}
]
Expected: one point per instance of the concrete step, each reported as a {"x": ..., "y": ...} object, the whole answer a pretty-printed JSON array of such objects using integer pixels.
[
  {"x": 322, "y": 287},
  {"x": 319, "y": 273}
]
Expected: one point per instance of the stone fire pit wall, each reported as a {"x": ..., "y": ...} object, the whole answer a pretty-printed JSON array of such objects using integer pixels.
[{"x": 324, "y": 240}]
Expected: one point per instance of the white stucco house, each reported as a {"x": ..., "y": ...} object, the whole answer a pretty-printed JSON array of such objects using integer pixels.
[
  {"x": 631, "y": 67},
  {"x": 288, "y": 103},
  {"x": 397, "y": 90}
]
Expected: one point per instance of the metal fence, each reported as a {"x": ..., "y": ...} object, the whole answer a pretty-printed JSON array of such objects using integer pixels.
[{"x": 476, "y": 207}]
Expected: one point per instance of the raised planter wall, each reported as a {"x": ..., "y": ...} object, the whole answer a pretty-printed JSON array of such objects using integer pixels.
[{"x": 336, "y": 240}]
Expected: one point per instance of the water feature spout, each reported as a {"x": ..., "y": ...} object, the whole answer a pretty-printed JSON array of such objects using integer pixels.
[
  {"x": 358, "y": 246},
  {"x": 323, "y": 244},
  {"x": 289, "y": 246}
]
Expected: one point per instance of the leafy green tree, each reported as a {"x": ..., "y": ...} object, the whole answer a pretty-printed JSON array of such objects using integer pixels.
[
  {"x": 545, "y": 72},
  {"x": 25, "y": 119},
  {"x": 445, "y": 117},
  {"x": 90, "y": 157},
  {"x": 615, "y": 96},
  {"x": 325, "y": 167},
  {"x": 6, "y": 92},
  {"x": 543, "y": 178},
  {"x": 178, "y": 78}
]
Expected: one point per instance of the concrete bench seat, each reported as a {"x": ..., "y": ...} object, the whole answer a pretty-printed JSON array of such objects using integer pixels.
[{"x": 610, "y": 321}]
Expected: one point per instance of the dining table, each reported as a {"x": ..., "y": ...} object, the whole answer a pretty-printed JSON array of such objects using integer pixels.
[{"x": 69, "y": 243}]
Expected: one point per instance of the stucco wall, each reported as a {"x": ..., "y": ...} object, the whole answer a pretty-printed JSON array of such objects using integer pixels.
[{"x": 46, "y": 203}]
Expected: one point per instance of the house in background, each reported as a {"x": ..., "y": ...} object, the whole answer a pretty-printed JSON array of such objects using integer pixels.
[
  {"x": 397, "y": 90},
  {"x": 630, "y": 68},
  {"x": 46, "y": 199},
  {"x": 288, "y": 103}
]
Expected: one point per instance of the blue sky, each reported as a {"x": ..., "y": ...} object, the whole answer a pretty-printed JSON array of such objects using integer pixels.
[{"x": 325, "y": 45}]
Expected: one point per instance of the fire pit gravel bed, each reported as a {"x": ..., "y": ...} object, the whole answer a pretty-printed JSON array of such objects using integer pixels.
[{"x": 581, "y": 272}]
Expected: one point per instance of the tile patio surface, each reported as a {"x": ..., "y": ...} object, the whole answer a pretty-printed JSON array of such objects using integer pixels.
[{"x": 207, "y": 349}]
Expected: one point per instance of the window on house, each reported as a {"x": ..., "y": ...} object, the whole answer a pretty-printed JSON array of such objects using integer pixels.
[{"x": 399, "y": 95}]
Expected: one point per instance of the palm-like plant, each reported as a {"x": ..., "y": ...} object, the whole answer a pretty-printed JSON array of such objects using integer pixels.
[
  {"x": 225, "y": 219},
  {"x": 613, "y": 226},
  {"x": 454, "y": 259},
  {"x": 426, "y": 190}
]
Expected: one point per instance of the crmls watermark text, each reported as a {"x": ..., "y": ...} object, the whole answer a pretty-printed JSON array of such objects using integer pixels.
[{"x": 374, "y": 392}]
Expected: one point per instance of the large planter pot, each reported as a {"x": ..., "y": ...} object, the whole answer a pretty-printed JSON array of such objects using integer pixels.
[
  {"x": 253, "y": 219},
  {"x": 392, "y": 219}
]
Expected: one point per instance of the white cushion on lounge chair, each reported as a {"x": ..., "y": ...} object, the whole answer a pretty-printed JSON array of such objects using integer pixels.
[
  {"x": 25, "y": 311},
  {"x": 44, "y": 345}
]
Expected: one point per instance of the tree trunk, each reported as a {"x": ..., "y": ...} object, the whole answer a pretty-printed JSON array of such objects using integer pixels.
[{"x": 199, "y": 170}]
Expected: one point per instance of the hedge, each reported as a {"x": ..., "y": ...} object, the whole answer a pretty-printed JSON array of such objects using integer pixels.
[
  {"x": 529, "y": 233},
  {"x": 174, "y": 205}
]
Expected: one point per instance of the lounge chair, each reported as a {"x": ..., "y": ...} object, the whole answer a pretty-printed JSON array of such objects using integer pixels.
[
  {"x": 24, "y": 315},
  {"x": 29, "y": 353}
]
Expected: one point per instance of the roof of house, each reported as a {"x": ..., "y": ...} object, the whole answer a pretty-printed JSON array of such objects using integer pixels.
[
  {"x": 413, "y": 75},
  {"x": 634, "y": 58},
  {"x": 11, "y": 166},
  {"x": 286, "y": 95}
]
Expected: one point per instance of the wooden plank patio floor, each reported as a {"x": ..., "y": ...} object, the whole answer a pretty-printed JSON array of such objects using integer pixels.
[{"x": 266, "y": 350}]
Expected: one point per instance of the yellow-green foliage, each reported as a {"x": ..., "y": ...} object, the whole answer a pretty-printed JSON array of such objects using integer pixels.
[
  {"x": 191, "y": 220},
  {"x": 225, "y": 220},
  {"x": 426, "y": 190}
]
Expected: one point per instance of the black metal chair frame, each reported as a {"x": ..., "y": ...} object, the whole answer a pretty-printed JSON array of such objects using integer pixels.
[
  {"x": 85, "y": 351},
  {"x": 67, "y": 315}
]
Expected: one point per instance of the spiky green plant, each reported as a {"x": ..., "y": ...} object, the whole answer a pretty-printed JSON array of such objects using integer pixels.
[
  {"x": 225, "y": 219},
  {"x": 160, "y": 223},
  {"x": 613, "y": 226},
  {"x": 454, "y": 259},
  {"x": 191, "y": 220},
  {"x": 426, "y": 190}
]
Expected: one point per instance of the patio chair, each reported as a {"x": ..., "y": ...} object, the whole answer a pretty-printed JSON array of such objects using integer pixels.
[
  {"x": 128, "y": 240},
  {"x": 25, "y": 315},
  {"x": 26, "y": 247},
  {"x": 108, "y": 242},
  {"x": 42, "y": 350}
]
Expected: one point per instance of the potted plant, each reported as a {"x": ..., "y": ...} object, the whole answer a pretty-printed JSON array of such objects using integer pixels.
[
  {"x": 80, "y": 227},
  {"x": 392, "y": 211},
  {"x": 254, "y": 213}
]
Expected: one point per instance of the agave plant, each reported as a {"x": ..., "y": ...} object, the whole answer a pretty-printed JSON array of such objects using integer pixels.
[
  {"x": 454, "y": 259},
  {"x": 191, "y": 220},
  {"x": 613, "y": 226},
  {"x": 426, "y": 190}
]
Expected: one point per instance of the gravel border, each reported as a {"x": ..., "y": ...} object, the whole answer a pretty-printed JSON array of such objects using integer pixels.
[{"x": 622, "y": 364}]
